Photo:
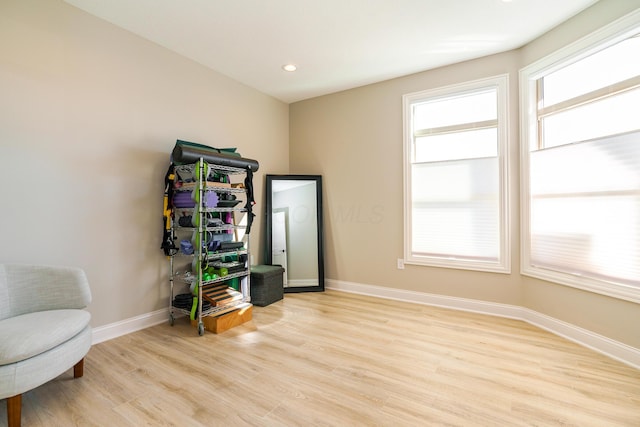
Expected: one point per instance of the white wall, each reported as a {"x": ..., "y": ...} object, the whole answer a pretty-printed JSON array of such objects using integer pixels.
[
  {"x": 302, "y": 238},
  {"x": 88, "y": 116}
]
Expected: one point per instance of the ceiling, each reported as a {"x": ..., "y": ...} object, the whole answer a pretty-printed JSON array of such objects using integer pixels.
[{"x": 336, "y": 44}]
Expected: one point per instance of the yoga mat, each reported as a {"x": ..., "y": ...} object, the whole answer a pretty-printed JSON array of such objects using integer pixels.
[
  {"x": 231, "y": 151},
  {"x": 183, "y": 154}
]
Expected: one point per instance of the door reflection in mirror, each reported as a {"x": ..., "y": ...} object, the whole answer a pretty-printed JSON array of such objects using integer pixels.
[{"x": 279, "y": 250}]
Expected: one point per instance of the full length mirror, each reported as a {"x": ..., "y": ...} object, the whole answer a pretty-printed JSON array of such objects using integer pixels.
[{"x": 294, "y": 230}]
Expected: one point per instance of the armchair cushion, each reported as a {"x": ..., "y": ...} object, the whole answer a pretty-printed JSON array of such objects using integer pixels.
[
  {"x": 32, "y": 288},
  {"x": 27, "y": 335}
]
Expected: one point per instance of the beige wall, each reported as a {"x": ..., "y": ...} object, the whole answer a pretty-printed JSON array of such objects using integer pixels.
[
  {"x": 88, "y": 116},
  {"x": 354, "y": 139},
  {"x": 89, "y": 113}
]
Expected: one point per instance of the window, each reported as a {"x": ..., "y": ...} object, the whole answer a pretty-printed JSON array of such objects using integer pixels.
[
  {"x": 455, "y": 176},
  {"x": 581, "y": 164}
]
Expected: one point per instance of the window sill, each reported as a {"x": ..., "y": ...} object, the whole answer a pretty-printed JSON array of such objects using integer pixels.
[
  {"x": 459, "y": 264},
  {"x": 614, "y": 290}
]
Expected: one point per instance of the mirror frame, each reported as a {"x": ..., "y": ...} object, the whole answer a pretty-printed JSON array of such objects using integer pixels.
[{"x": 320, "y": 231}]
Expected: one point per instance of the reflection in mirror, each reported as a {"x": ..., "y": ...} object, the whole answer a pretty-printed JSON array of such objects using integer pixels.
[{"x": 294, "y": 230}]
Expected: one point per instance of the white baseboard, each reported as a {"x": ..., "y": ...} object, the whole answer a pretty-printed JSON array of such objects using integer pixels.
[
  {"x": 603, "y": 345},
  {"x": 123, "y": 327},
  {"x": 614, "y": 349}
]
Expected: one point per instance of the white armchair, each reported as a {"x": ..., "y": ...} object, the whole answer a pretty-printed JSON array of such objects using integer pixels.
[{"x": 44, "y": 330}]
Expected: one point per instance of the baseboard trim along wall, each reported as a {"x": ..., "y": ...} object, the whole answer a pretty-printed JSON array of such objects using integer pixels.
[
  {"x": 614, "y": 349},
  {"x": 124, "y": 327},
  {"x": 599, "y": 343}
]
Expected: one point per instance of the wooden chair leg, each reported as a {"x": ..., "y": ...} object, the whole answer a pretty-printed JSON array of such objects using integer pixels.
[
  {"x": 14, "y": 411},
  {"x": 14, "y": 404},
  {"x": 78, "y": 369}
]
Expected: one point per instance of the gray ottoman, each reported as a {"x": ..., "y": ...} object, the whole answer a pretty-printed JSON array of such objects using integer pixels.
[{"x": 266, "y": 284}]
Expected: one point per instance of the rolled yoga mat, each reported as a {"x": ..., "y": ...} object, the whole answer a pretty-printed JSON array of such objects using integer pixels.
[{"x": 183, "y": 154}]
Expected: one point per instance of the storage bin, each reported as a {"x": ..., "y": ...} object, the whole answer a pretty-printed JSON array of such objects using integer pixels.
[{"x": 266, "y": 284}]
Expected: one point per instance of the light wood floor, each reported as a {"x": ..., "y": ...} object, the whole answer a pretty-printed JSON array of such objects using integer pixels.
[{"x": 336, "y": 359}]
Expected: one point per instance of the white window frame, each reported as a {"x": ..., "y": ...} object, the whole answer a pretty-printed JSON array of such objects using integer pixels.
[
  {"x": 501, "y": 84},
  {"x": 607, "y": 36}
]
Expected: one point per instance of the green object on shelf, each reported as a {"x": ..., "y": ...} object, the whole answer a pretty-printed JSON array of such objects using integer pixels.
[
  {"x": 230, "y": 258},
  {"x": 194, "y": 308},
  {"x": 222, "y": 271},
  {"x": 230, "y": 151},
  {"x": 234, "y": 283}
]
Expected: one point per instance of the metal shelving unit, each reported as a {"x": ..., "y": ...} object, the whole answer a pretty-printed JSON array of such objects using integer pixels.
[{"x": 202, "y": 259}]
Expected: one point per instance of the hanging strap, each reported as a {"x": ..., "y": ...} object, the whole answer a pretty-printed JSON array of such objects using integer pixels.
[
  {"x": 168, "y": 244},
  {"x": 248, "y": 185}
]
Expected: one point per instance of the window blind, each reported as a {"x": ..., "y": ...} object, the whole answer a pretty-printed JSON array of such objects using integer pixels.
[
  {"x": 585, "y": 209},
  {"x": 456, "y": 209}
]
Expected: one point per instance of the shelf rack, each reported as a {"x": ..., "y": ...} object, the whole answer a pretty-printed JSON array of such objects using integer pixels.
[{"x": 202, "y": 258}]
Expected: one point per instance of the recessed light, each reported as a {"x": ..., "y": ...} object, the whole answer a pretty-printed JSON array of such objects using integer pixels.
[{"x": 289, "y": 67}]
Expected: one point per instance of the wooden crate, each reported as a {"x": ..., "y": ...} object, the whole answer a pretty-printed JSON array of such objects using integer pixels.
[
  {"x": 226, "y": 321},
  {"x": 220, "y": 295}
]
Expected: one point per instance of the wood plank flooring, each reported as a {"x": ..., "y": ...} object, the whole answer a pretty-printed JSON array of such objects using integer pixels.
[{"x": 337, "y": 359}]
